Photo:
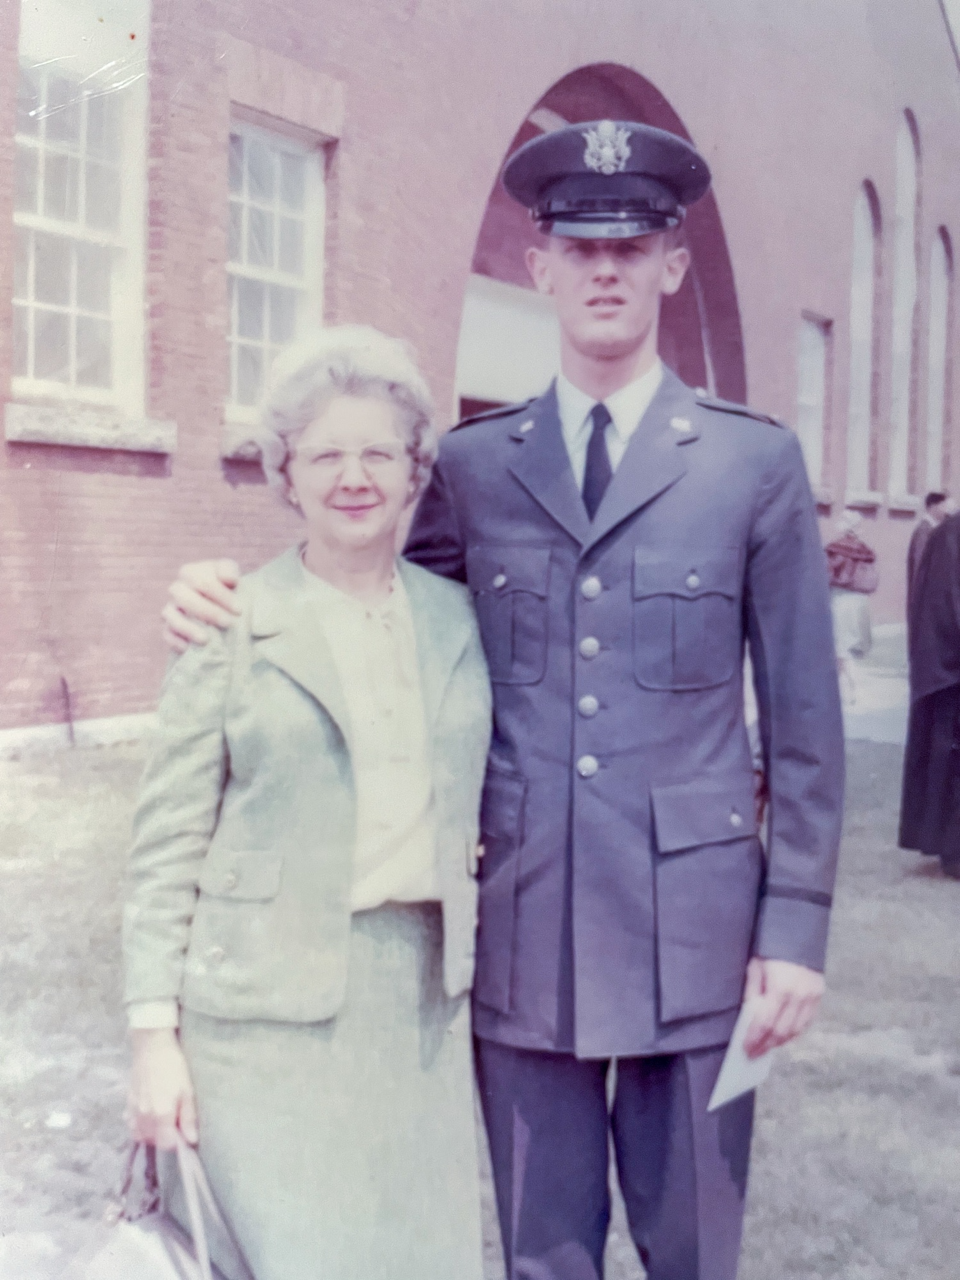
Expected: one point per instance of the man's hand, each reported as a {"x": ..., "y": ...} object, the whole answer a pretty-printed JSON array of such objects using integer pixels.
[
  {"x": 788, "y": 996},
  {"x": 202, "y": 594},
  {"x": 161, "y": 1099}
]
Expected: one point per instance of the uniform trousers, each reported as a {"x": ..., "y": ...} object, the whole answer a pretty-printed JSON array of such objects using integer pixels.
[{"x": 682, "y": 1171}]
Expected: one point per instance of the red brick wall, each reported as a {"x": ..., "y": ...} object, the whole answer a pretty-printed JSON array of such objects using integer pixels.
[{"x": 793, "y": 105}]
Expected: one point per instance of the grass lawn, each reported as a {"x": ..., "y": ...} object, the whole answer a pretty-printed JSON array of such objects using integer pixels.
[{"x": 856, "y": 1169}]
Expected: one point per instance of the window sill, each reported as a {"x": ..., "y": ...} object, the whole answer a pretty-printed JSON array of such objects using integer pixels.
[
  {"x": 238, "y": 441},
  {"x": 864, "y": 500},
  {"x": 85, "y": 427},
  {"x": 903, "y": 502}
]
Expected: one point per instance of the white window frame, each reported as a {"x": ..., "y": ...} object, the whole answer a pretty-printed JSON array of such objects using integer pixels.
[
  {"x": 906, "y": 276},
  {"x": 310, "y": 282},
  {"x": 864, "y": 315},
  {"x": 813, "y": 394},
  {"x": 126, "y": 395},
  {"x": 938, "y": 356}
]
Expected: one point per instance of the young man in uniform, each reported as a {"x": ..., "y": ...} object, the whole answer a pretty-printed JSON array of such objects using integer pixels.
[{"x": 623, "y": 538}]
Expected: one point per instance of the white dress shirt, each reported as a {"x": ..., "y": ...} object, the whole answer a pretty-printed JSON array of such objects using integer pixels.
[
  {"x": 375, "y": 654},
  {"x": 626, "y": 407}
]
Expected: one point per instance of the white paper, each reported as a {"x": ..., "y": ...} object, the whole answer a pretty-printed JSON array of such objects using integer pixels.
[{"x": 740, "y": 1074}]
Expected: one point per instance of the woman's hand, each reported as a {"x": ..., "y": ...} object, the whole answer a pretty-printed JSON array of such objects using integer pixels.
[{"x": 161, "y": 1099}]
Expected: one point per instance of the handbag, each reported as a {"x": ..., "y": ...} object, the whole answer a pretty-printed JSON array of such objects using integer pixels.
[{"x": 149, "y": 1244}]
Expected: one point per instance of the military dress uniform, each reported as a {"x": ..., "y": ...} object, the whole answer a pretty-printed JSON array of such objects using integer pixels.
[{"x": 624, "y": 886}]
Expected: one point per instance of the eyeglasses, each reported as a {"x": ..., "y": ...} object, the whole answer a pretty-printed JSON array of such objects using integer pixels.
[{"x": 374, "y": 458}]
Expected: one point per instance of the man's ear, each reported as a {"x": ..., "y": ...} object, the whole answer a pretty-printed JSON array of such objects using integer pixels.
[
  {"x": 675, "y": 265},
  {"x": 539, "y": 267}
]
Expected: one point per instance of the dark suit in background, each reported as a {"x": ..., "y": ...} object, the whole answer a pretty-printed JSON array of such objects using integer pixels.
[{"x": 918, "y": 545}]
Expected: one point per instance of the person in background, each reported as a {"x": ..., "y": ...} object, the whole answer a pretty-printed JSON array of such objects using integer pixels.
[
  {"x": 935, "y": 507},
  {"x": 299, "y": 930},
  {"x": 853, "y": 577},
  {"x": 930, "y": 807}
]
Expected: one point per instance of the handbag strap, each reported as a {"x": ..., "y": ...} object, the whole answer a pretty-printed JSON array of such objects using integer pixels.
[{"x": 197, "y": 1193}]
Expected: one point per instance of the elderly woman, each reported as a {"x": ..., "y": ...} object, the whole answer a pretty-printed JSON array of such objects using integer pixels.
[{"x": 299, "y": 930}]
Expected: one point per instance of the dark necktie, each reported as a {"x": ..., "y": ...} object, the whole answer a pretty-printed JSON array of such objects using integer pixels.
[{"x": 598, "y": 472}]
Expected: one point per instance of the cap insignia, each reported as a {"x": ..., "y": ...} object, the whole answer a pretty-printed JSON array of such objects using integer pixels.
[{"x": 608, "y": 148}]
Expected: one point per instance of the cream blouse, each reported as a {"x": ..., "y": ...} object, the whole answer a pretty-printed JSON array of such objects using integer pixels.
[{"x": 374, "y": 650}]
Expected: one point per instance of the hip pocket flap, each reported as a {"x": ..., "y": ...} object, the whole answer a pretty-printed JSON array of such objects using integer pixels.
[
  {"x": 250, "y": 875},
  {"x": 689, "y": 814},
  {"x": 501, "y": 809}
]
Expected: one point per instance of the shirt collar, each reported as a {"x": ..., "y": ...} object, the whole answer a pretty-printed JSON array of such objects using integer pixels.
[
  {"x": 626, "y": 406},
  {"x": 334, "y": 598}
]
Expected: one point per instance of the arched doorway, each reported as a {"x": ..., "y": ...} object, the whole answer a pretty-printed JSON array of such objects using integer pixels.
[{"x": 508, "y": 339}]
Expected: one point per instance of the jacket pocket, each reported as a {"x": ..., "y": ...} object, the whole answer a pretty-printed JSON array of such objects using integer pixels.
[
  {"x": 501, "y": 829},
  {"x": 687, "y": 629},
  {"x": 250, "y": 875},
  {"x": 709, "y": 871},
  {"x": 510, "y": 587}
]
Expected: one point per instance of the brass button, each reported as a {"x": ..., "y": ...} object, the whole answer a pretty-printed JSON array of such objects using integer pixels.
[
  {"x": 587, "y": 766},
  {"x": 231, "y": 880},
  {"x": 735, "y": 819},
  {"x": 693, "y": 581},
  {"x": 590, "y": 588},
  {"x": 500, "y": 581},
  {"x": 215, "y": 954},
  {"x": 588, "y": 705},
  {"x": 589, "y": 647}
]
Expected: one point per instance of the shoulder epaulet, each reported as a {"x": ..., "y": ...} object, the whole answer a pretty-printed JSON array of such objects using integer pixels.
[
  {"x": 501, "y": 411},
  {"x": 729, "y": 406}
]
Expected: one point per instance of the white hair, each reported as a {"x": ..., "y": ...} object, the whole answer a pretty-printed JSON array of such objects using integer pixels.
[{"x": 344, "y": 360}]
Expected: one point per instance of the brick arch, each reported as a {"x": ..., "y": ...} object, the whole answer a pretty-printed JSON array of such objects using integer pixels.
[{"x": 701, "y": 334}]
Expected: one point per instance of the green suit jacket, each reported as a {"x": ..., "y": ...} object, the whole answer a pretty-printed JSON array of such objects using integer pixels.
[{"x": 241, "y": 869}]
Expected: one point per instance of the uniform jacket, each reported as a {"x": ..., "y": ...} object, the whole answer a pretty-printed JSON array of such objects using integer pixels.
[
  {"x": 618, "y": 814},
  {"x": 241, "y": 869}
]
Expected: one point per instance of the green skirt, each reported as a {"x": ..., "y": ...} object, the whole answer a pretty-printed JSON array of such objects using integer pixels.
[{"x": 346, "y": 1149}]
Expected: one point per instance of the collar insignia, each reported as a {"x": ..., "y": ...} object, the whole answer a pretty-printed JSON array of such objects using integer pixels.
[
  {"x": 527, "y": 426},
  {"x": 608, "y": 148},
  {"x": 681, "y": 424}
]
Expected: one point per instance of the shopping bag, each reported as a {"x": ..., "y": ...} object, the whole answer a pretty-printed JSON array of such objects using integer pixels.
[{"x": 148, "y": 1244}]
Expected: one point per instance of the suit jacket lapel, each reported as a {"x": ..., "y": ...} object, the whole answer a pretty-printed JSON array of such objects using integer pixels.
[
  {"x": 654, "y": 459},
  {"x": 441, "y": 636},
  {"x": 290, "y": 635},
  {"x": 542, "y": 466}
]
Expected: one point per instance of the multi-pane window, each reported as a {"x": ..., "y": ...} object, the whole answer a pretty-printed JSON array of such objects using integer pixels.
[
  {"x": 904, "y": 304},
  {"x": 864, "y": 310},
  {"x": 67, "y": 233},
  {"x": 276, "y": 214},
  {"x": 813, "y": 369},
  {"x": 938, "y": 354},
  {"x": 79, "y": 202}
]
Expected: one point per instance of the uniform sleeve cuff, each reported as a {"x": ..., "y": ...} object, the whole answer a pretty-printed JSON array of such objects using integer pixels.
[
  {"x": 790, "y": 928},
  {"x": 153, "y": 1015}
]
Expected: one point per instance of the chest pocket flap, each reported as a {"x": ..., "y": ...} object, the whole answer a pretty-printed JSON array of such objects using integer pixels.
[
  {"x": 510, "y": 586},
  {"x": 687, "y": 627}
]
